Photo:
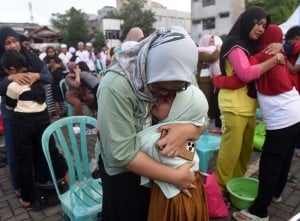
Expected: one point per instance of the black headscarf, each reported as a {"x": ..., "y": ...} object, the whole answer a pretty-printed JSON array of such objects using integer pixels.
[
  {"x": 239, "y": 33},
  {"x": 34, "y": 63}
]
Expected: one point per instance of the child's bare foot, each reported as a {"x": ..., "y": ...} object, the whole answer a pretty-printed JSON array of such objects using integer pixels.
[
  {"x": 24, "y": 204},
  {"x": 67, "y": 177}
]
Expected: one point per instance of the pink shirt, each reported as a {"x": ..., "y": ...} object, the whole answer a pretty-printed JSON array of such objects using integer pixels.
[{"x": 240, "y": 63}]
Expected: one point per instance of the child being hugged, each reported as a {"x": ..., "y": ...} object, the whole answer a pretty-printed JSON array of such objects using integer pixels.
[
  {"x": 167, "y": 202},
  {"x": 30, "y": 118}
]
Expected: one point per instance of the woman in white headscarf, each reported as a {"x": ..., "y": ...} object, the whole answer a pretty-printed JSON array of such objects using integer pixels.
[
  {"x": 209, "y": 44},
  {"x": 155, "y": 68}
]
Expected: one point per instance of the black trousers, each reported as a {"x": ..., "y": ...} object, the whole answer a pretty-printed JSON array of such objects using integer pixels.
[
  {"x": 124, "y": 199},
  {"x": 217, "y": 113},
  {"x": 27, "y": 130},
  {"x": 274, "y": 167}
]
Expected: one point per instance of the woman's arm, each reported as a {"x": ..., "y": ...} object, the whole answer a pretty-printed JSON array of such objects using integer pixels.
[
  {"x": 247, "y": 72},
  {"x": 177, "y": 136},
  {"x": 45, "y": 76},
  {"x": 294, "y": 69},
  {"x": 4, "y": 82},
  {"x": 145, "y": 166},
  {"x": 273, "y": 48},
  {"x": 228, "y": 82},
  {"x": 207, "y": 57},
  {"x": 118, "y": 132}
]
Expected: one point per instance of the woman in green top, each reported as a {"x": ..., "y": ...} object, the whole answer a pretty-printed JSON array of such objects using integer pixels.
[{"x": 155, "y": 68}]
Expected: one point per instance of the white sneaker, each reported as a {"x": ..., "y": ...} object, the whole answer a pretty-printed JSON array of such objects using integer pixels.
[{"x": 277, "y": 200}]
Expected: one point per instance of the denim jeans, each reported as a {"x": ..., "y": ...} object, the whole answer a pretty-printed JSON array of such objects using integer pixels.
[{"x": 10, "y": 152}]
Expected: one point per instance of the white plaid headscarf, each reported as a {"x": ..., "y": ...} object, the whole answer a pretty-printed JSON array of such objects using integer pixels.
[{"x": 166, "y": 55}]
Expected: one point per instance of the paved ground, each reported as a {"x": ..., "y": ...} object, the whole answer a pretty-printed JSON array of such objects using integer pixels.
[{"x": 10, "y": 209}]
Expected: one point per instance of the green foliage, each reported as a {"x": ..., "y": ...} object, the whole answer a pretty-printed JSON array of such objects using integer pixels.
[
  {"x": 98, "y": 39},
  {"x": 73, "y": 24},
  {"x": 280, "y": 10},
  {"x": 133, "y": 14}
]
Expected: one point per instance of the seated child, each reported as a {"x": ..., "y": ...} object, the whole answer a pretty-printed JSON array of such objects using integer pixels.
[{"x": 78, "y": 92}]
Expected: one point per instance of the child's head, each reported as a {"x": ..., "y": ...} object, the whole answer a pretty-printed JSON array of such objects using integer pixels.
[
  {"x": 50, "y": 51},
  {"x": 293, "y": 34},
  {"x": 193, "y": 109},
  {"x": 162, "y": 106},
  {"x": 55, "y": 63},
  {"x": 98, "y": 54},
  {"x": 83, "y": 66},
  {"x": 13, "y": 62},
  {"x": 273, "y": 34}
]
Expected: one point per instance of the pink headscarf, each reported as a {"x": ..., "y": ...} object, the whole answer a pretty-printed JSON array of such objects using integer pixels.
[
  {"x": 204, "y": 41},
  {"x": 134, "y": 34}
]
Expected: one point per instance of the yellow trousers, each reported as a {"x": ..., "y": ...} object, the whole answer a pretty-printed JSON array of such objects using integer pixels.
[{"x": 235, "y": 148}]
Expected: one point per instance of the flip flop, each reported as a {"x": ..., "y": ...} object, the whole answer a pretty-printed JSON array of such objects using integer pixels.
[
  {"x": 25, "y": 204},
  {"x": 244, "y": 215}
]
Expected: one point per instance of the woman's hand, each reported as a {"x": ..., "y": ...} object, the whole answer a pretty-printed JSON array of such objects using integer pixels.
[
  {"x": 20, "y": 78},
  {"x": 273, "y": 48},
  {"x": 280, "y": 58},
  {"x": 34, "y": 77},
  {"x": 176, "y": 137},
  {"x": 186, "y": 178}
]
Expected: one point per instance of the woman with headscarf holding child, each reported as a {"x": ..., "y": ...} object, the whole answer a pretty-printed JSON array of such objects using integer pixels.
[{"x": 153, "y": 69}]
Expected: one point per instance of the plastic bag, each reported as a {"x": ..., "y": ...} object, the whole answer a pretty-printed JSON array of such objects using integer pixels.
[
  {"x": 259, "y": 136},
  {"x": 216, "y": 205}
]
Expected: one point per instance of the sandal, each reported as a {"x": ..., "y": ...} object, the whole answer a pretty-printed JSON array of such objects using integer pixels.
[
  {"x": 245, "y": 215},
  {"x": 24, "y": 204}
]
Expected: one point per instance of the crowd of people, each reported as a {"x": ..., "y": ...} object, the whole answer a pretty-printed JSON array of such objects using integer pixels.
[{"x": 148, "y": 100}]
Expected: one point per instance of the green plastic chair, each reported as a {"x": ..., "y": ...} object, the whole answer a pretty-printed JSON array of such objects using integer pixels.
[
  {"x": 83, "y": 199},
  {"x": 63, "y": 89}
]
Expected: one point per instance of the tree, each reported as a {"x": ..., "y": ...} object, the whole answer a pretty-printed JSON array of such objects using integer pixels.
[
  {"x": 133, "y": 14},
  {"x": 73, "y": 24},
  {"x": 279, "y": 12},
  {"x": 98, "y": 39}
]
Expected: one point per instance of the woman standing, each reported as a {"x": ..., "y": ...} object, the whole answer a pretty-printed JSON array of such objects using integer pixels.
[
  {"x": 9, "y": 40},
  {"x": 279, "y": 102},
  {"x": 238, "y": 106},
  {"x": 155, "y": 68}
]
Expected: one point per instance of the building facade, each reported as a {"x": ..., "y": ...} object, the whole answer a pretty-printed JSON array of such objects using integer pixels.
[
  {"x": 164, "y": 17},
  {"x": 214, "y": 16}
]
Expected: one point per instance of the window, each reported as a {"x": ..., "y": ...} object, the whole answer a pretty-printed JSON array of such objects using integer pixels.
[
  {"x": 112, "y": 34},
  {"x": 209, "y": 23},
  {"x": 208, "y": 2},
  {"x": 224, "y": 14}
]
